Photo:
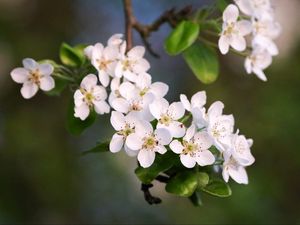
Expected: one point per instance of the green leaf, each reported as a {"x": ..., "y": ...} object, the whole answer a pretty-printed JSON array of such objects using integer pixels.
[
  {"x": 203, "y": 62},
  {"x": 75, "y": 125},
  {"x": 161, "y": 164},
  {"x": 222, "y": 4},
  {"x": 217, "y": 187},
  {"x": 183, "y": 184},
  {"x": 100, "y": 147},
  {"x": 196, "y": 198},
  {"x": 212, "y": 25},
  {"x": 182, "y": 37},
  {"x": 203, "y": 179},
  {"x": 72, "y": 56}
]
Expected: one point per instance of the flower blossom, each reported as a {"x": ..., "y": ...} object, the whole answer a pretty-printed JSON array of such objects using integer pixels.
[{"x": 33, "y": 76}]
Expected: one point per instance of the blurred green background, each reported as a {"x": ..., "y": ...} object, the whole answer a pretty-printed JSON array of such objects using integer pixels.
[{"x": 43, "y": 178}]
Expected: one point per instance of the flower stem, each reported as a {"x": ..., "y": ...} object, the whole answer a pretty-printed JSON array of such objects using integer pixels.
[
  {"x": 63, "y": 77},
  {"x": 186, "y": 118}
]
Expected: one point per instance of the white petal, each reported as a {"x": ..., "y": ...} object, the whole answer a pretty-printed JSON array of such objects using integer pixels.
[
  {"x": 121, "y": 105},
  {"x": 141, "y": 66},
  {"x": 205, "y": 158},
  {"x": 159, "y": 107},
  {"x": 187, "y": 161},
  {"x": 82, "y": 111},
  {"x": 159, "y": 89},
  {"x": 231, "y": 13},
  {"x": 160, "y": 149},
  {"x": 115, "y": 84},
  {"x": 163, "y": 136},
  {"x": 19, "y": 75},
  {"x": 29, "y": 89},
  {"x": 30, "y": 64},
  {"x": 47, "y": 83},
  {"x": 238, "y": 43},
  {"x": 198, "y": 99},
  {"x": 88, "y": 51},
  {"x": 101, "y": 107},
  {"x": 225, "y": 174},
  {"x": 143, "y": 80},
  {"x": 136, "y": 53},
  {"x": 176, "y": 146},
  {"x": 130, "y": 75},
  {"x": 260, "y": 74},
  {"x": 111, "y": 52},
  {"x": 176, "y": 110},
  {"x": 99, "y": 93},
  {"x": 245, "y": 6},
  {"x": 190, "y": 132},
  {"x": 177, "y": 129},
  {"x": 78, "y": 98},
  {"x": 215, "y": 109},
  {"x": 117, "y": 120},
  {"x": 128, "y": 90},
  {"x": 104, "y": 78},
  {"x": 203, "y": 140},
  {"x": 97, "y": 53},
  {"x": 143, "y": 128},
  {"x": 116, "y": 39},
  {"x": 186, "y": 103},
  {"x": 244, "y": 27},
  {"x": 46, "y": 69},
  {"x": 130, "y": 152},
  {"x": 134, "y": 141},
  {"x": 119, "y": 69},
  {"x": 238, "y": 174},
  {"x": 116, "y": 143},
  {"x": 223, "y": 44},
  {"x": 146, "y": 158},
  {"x": 89, "y": 82}
]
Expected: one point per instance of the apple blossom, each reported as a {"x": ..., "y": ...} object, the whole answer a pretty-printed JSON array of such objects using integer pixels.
[
  {"x": 147, "y": 142},
  {"x": 33, "y": 76},
  {"x": 194, "y": 148},
  {"x": 90, "y": 96},
  {"x": 233, "y": 31},
  {"x": 198, "y": 100},
  {"x": 168, "y": 116},
  {"x": 259, "y": 9}
]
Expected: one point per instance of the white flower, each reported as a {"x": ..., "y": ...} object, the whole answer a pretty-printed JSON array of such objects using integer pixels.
[
  {"x": 132, "y": 63},
  {"x": 90, "y": 96},
  {"x": 144, "y": 86},
  {"x": 148, "y": 142},
  {"x": 233, "y": 31},
  {"x": 198, "y": 100},
  {"x": 194, "y": 148},
  {"x": 240, "y": 150},
  {"x": 220, "y": 127},
  {"x": 104, "y": 59},
  {"x": 231, "y": 168},
  {"x": 114, "y": 90},
  {"x": 33, "y": 76},
  {"x": 124, "y": 125},
  {"x": 115, "y": 40},
  {"x": 258, "y": 61},
  {"x": 167, "y": 116},
  {"x": 131, "y": 100},
  {"x": 260, "y": 9}
]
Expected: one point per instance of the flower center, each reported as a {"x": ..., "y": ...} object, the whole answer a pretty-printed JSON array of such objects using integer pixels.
[
  {"x": 136, "y": 106},
  {"x": 189, "y": 148},
  {"x": 150, "y": 143},
  {"x": 126, "y": 131},
  {"x": 229, "y": 29},
  {"x": 144, "y": 91},
  {"x": 165, "y": 119},
  {"x": 126, "y": 64},
  {"x": 88, "y": 97},
  {"x": 103, "y": 64},
  {"x": 218, "y": 130},
  {"x": 35, "y": 76}
]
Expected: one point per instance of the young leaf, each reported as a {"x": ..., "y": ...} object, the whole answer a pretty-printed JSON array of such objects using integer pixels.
[
  {"x": 183, "y": 184},
  {"x": 75, "y": 125},
  {"x": 71, "y": 56},
  {"x": 217, "y": 187},
  {"x": 203, "y": 179},
  {"x": 203, "y": 62},
  {"x": 100, "y": 147},
  {"x": 196, "y": 198},
  {"x": 161, "y": 164},
  {"x": 182, "y": 37}
]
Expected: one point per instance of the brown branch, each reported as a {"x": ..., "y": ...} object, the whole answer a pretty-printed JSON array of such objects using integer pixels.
[
  {"x": 148, "y": 196},
  {"x": 171, "y": 17}
]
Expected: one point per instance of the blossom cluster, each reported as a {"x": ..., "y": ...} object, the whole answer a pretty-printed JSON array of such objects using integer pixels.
[
  {"x": 256, "y": 21},
  {"x": 146, "y": 124}
]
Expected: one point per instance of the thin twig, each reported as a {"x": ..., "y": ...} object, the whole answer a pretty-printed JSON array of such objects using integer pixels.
[
  {"x": 172, "y": 17},
  {"x": 148, "y": 196}
]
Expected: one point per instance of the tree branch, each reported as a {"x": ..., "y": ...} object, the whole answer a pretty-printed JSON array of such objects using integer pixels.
[
  {"x": 172, "y": 17},
  {"x": 148, "y": 196}
]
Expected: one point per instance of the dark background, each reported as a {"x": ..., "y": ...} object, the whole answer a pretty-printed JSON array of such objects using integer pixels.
[{"x": 43, "y": 178}]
